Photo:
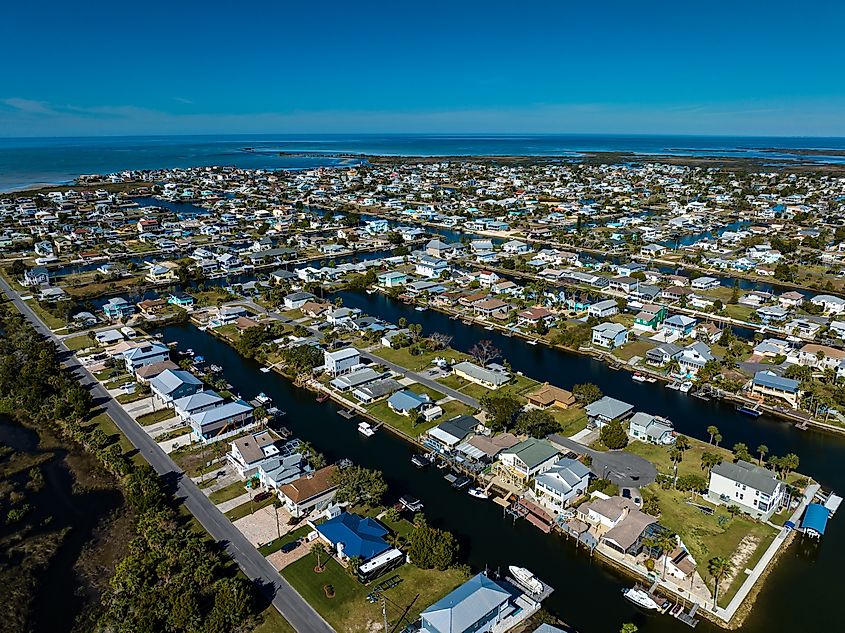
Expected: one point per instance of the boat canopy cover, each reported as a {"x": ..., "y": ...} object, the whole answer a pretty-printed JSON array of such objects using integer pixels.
[{"x": 815, "y": 518}]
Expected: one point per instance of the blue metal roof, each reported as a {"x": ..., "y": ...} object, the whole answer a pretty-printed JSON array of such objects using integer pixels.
[
  {"x": 815, "y": 518},
  {"x": 361, "y": 536},
  {"x": 768, "y": 379}
]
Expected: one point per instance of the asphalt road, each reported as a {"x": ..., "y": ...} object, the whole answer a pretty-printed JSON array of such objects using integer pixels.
[
  {"x": 284, "y": 597},
  {"x": 624, "y": 469}
]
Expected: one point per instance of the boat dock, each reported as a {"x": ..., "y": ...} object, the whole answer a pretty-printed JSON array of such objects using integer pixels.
[{"x": 537, "y": 597}]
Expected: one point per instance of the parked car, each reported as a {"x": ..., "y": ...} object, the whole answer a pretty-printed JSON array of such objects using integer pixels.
[{"x": 287, "y": 548}]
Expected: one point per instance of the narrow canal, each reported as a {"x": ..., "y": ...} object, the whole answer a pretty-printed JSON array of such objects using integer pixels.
[{"x": 797, "y": 594}]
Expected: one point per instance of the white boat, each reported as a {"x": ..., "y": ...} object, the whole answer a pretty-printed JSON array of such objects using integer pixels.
[
  {"x": 685, "y": 386},
  {"x": 640, "y": 598},
  {"x": 638, "y": 377},
  {"x": 365, "y": 429},
  {"x": 265, "y": 370},
  {"x": 263, "y": 398},
  {"x": 478, "y": 493},
  {"x": 420, "y": 308},
  {"x": 369, "y": 292},
  {"x": 528, "y": 580},
  {"x": 533, "y": 341}
]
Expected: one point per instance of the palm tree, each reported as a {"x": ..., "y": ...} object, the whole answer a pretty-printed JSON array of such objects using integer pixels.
[
  {"x": 319, "y": 550},
  {"x": 666, "y": 543},
  {"x": 761, "y": 451},
  {"x": 629, "y": 627},
  {"x": 353, "y": 564},
  {"x": 710, "y": 460},
  {"x": 718, "y": 567},
  {"x": 717, "y": 439},
  {"x": 682, "y": 442},
  {"x": 713, "y": 431},
  {"x": 676, "y": 455}
]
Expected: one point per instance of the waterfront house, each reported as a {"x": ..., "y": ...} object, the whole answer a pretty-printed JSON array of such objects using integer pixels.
[
  {"x": 829, "y": 303},
  {"x": 791, "y": 299},
  {"x": 533, "y": 317},
  {"x": 653, "y": 250},
  {"x": 772, "y": 314},
  {"x": 515, "y": 247},
  {"x": 355, "y": 379},
  {"x": 297, "y": 300},
  {"x": 173, "y": 384},
  {"x": 767, "y": 383},
  {"x": 624, "y": 284},
  {"x": 341, "y": 361},
  {"x": 525, "y": 460},
  {"x": 676, "y": 293},
  {"x": 557, "y": 487},
  {"x": 477, "y": 606},
  {"x": 604, "y": 513},
  {"x": 352, "y": 536},
  {"x": 549, "y": 395},
  {"x": 603, "y": 309},
  {"x": 818, "y": 356},
  {"x": 145, "y": 354},
  {"x": 36, "y": 276},
  {"x": 447, "y": 435},
  {"x": 117, "y": 308},
  {"x": 607, "y": 409},
  {"x": 430, "y": 267},
  {"x": 249, "y": 452},
  {"x": 405, "y": 402},
  {"x": 492, "y": 308},
  {"x": 481, "y": 375},
  {"x": 694, "y": 357},
  {"x": 610, "y": 335},
  {"x": 631, "y": 534},
  {"x": 392, "y": 279},
  {"x": 662, "y": 355},
  {"x": 705, "y": 283},
  {"x": 146, "y": 373},
  {"x": 195, "y": 403},
  {"x": 651, "y": 429},
  {"x": 218, "y": 421},
  {"x": 283, "y": 468},
  {"x": 180, "y": 299},
  {"x": 313, "y": 492},
  {"x": 755, "y": 490},
  {"x": 372, "y": 391}
]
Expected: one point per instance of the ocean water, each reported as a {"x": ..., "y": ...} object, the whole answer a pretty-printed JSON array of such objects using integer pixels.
[{"x": 28, "y": 161}]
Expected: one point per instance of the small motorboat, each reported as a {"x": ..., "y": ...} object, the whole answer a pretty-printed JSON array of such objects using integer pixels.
[
  {"x": 365, "y": 429},
  {"x": 420, "y": 461},
  {"x": 410, "y": 503},
  {"x": 370, "y": 291},
  {"x": 262, "y": 398},
  {"x": 265, "y": 370},
  {"x": 638, "y": 377},
  {"x": 526, "y": 578},
  {"x": 685, "y": 386},
  {"x": 478, "y": 493},
  {"x": 533, "y": 341},
  {"x": 754, "y": 411},
  {"x": 640, "y": 598},
  {"x": 322, "y": 397},
  {"x": 420, "y": 308}
]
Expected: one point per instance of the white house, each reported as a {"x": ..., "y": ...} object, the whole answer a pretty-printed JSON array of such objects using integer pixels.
[
  {"x": 830, "y": 304},
  {"x": 557, "y": 487},
  {"x": 651, "y": 429},
  {"x": 603, "y": 309},
  {"x": 341, "y": 361},
  {"x": 755, "y": 490}
]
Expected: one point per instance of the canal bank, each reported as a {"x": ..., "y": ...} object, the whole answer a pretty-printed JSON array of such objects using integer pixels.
[{"x": 590, "y": 599}]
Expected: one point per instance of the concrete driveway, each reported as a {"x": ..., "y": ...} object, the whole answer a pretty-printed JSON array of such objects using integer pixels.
[{"x": 623, "y": 469}]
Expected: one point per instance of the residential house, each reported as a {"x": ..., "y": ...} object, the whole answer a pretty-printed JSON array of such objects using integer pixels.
[
  {"x": 561, "y": 484},
  {"x": 610, "y": 335},
  {"x": 606, "y": 410},
  {"x": 406, "y": 402},
  {"x": 145, "y": 354},
  {"x": 529, "y": 458},
  {"x": 447, "y": 435},
  {"x": 679, "y": 325},
  {"x": 477, "y": 606},
  {"x": 705, "y": 283},
  {"x": 481, "y": 375},
  {"x": 430, "y": 267},
  {"x": 297, "y": 300},
  {"x": 310, "y": 493},
  {"x": 651, "y": 429},
  {"x": 220, "y": 420},
  {"x": 650, "y": 317},
  {"x": 533, "y": 317},
  {"x": 829, "y": 303},
  {"x": 549, "y": 396},
  {"x": 117, "y": 308},
  {"x": 392, "y": 279},
  {"x": 694, "y": 357},
  {"x": 195, "y": 403},
  {"x": 767, "y": 383},
  {"x": 249, "y": 452},
  {"x": 755, "y": 490},
  {"x": 603, "y": 309},
  {"x": 173, "y": 384},
  {"x": 662, "y": 355},
  {"x": 492, "y": 309},
  {"x": 341, "y": 361},
  {"x": 352, "y": 536}
]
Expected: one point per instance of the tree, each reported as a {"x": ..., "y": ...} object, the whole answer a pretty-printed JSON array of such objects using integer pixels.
[
  {"x": 717, "y": 439},
  {"x": 356, "y": 484},
  {"x": 251, "y": 340},
  {"x": 740, "y": 452},
  {"x": 676, "y": 455},
  {"x": 586, "y": 393},
  {"x": 628, "y": 627},
  {"x": 501, "y": 409},
  {"x": 713, "y": 431},
  {"x": 762, "y": 450},
  {"x": 613, "y": 435},
  {"x": 710, "y": 460},
  {"x": 485, "y": 352},
  {"x": 319, "y": 550},
  {"x": 430, "y": 548},
  {"x": 718, "y": 567},
  {"x": 536, "y": 423},
  {"x": 665, "y": 542}
]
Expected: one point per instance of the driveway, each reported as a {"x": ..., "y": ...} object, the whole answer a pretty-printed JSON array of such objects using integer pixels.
[{"x": 623, "y": 469}]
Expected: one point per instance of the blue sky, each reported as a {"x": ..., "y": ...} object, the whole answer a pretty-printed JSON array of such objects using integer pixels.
[{"x": 95, "y": 68}]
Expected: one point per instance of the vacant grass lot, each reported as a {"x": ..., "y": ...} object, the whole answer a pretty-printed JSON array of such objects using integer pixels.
[
  {"x": 416, "y": 363},
  {"x": 571, "y": 420},
  {"x": 233, "y": 490},
  {"x": 349, "y": 610},
  {"x": 80, "y": 342},
  {"x": 245, "y": 509},
  {"x": 155, "y": 416},
  {"x": 635, "y": 348}
]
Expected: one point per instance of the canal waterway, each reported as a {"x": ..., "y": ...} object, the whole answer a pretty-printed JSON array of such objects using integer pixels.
[{"x": 587, "y": 592}]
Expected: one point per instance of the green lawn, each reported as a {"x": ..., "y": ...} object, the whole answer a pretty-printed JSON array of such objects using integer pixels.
[
  {"x": 170, "y": 435},
  {"x": 126, "y": 398},
  {"x": 155, "y": 416},
  {"x": 277, "y": 544},
  {"x": 231, "y": 491},
  {"x": 54, "y": 323},
  {"x": 737, "y": 311},
  {"x": 415, "y": 363},
  {"x": 401, "y": 422},
  {"x": 80, "y": 342},
  {"x": 634, "y": 348},
  {"x": 571, "y": 420},
  {"x": 271, "y": 621},
  {"x": 245, "y": 509},
  {"x": 349, "y": 610}
]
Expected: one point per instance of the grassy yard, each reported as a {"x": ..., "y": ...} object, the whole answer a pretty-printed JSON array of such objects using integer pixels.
[
  {"x": 349, "y": 610},
  {"x": 155, "y": 416},
  {"x": 571, "y": 420},
  {"x": 635, "y": 348},
  {"x": 245, "y": 509},
  {"x": 271, "y": 621},
  {"x": 740, "y": 312},
  {"x": 401, "y": 422},
  {"x": 52, "y": 322},
  {"x": 80, "y": 342},
  {"x": 170, "y": 435},
  {"x": 415, "y": 363},
  {"x": 231, "y": 491},
  {"x": 126, "y": 398},
  {"x": 689, "y": 465},
  {"x": 277, "y": 544}
]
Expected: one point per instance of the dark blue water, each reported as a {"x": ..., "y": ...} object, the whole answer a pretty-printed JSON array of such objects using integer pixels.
[{"x": 28, "y": 161}]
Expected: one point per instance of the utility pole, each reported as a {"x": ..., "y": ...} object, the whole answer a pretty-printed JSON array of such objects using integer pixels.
[{"x": 384, "y": 612}]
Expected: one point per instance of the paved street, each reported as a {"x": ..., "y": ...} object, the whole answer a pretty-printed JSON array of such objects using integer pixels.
[
  {"x": 287, "y": 601},
  {"x": 428, "y": 382},
  {"x": 623, "y": 469}
]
